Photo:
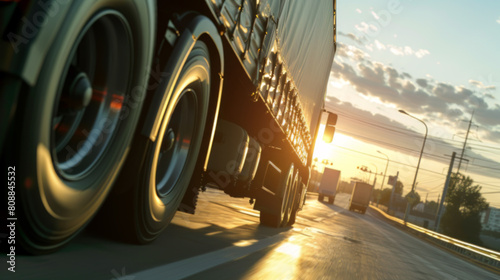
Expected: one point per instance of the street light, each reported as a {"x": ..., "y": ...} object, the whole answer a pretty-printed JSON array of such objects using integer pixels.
[
  {"x": 385, "y": 172},
  {"x": 376, "y": 173},
  {"x": 418, "y": 164}
]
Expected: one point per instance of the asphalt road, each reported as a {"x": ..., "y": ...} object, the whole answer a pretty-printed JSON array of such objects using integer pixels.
[{"x": 224, "y": 241}]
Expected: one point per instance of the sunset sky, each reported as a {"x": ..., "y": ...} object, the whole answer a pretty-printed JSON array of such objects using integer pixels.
[{"x": 440, "y": 62}]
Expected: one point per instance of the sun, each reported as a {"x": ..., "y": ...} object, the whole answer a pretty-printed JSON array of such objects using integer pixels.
[{"x": 324, "y": 150}]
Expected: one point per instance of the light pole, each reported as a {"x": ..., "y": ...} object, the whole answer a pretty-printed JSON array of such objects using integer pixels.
[
  {"x": 385, "y": 172},
  {"x": 369, "y": 173},
  {"x": 418, "y": 164},
  {"x": 376, "y": 174}
]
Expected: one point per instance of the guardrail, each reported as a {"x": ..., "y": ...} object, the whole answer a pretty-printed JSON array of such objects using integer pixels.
[{"x": 483, "y": 256}]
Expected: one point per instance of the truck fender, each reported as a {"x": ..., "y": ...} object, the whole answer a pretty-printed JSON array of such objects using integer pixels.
[{"x": 197, "y": 27}]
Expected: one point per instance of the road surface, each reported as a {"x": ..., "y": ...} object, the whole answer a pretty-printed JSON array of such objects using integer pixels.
[{"x": 224, "y": 241}]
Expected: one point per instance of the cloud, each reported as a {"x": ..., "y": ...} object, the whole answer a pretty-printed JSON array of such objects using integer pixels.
[
  {"x": 492, "y": 134},
  {"x": 498, "y": 20},
  {"x": 440, "y": 104},
  {"x": 406, "y": 75},
  {"x": 422, "y": 82},
  {"x": 421, "y": 53},
  {"x": 382, "y": 131},
  {"x": 365, "y": 79},
  {"x": 489, "y": 96},
  {"x": 406, "y": 50},
  {"x": 416, "y": 95},
  {"x": 397, "y": 50},
  {"x": 447, "y": 93},
  {"x": 375, "y": 74},
  {"x": 379, "y": 45},
  {"x": 360, "y": 40},
  {"x": 454, "y": 113},
  {"x": 480, "y": 85},
  {"x": 366, "y": 28},
  {"x": 489, "y": 117},
  {"x": 350, "y": 52}
]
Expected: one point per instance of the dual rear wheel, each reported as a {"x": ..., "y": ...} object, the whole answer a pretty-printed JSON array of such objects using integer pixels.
[
  {"x": 284, "y": 204},
  {"x": 75, "y": 127}
]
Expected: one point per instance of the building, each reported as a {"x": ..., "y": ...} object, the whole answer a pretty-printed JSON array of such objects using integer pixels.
[{"x": 490, "y": 219}]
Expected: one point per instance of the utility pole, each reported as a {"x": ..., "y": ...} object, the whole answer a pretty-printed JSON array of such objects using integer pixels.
[
  {"x": 445, "y": 189},
  {"x": 465, "y": 142}
]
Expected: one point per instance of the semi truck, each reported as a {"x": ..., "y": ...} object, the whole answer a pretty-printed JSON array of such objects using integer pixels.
[
  {"x": 121, "y": 112},
  {"x": 329, "y": 184},
  {"x": 360, "y": 197}
]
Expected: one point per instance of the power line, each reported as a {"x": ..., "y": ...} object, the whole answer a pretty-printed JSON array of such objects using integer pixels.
[
  {"x": 400, "y": 163},
  {"x": 408, "y": 165},
  {"x": 405, "y": 131},
  {"x": 409, "y": 149},
  {"x": 389, "y": 144}
]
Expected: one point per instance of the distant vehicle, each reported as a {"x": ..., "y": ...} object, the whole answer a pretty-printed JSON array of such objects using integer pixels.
[
  {"x": 131, "y": 107},
  {"x": 360, "y": 197},
  {"x": 329, "y": 184}
]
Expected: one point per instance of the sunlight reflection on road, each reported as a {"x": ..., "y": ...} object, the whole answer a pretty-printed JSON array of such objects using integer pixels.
[{"x": 280, "y": 263}]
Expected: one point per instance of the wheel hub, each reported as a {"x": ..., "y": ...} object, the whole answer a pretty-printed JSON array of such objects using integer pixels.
[
  {"x": 81, "y": 90},
  {"x": 87, "y": 123},
  {"x": 77, "y": 92},
  {"x": 168, "y": 141}
]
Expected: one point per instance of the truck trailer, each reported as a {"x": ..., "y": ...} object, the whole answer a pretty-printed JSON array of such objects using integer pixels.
[
  {"x": 329, "y": 184},
  {"x": 123, "y": 111},
  {"x": 360, "y": 197}
]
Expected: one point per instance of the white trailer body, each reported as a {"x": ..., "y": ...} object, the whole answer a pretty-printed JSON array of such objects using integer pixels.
[
  {"x": 328, "y": 186},
  {"x": 360, "y": 197}
]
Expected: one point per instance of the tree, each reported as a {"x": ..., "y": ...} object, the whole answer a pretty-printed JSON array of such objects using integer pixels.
[
  {"x": 431, "y": 207},
  {"x": 399, "y": 188},
  {"x": 385, "y": 194},
  {"x": 464, "y": 204},
  {"x": 413, "y": 198},
  {"x": 345, "y": 187}
]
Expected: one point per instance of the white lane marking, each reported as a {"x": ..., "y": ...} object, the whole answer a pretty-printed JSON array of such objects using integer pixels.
[{"x": 191, "y": 266}]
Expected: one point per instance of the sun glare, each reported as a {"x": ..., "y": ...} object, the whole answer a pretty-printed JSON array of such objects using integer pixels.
[{"x": 324, "y": 150}]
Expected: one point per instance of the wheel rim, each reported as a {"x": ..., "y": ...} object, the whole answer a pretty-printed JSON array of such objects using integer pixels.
[
  {"x": 176, "y": 143},
  {"x": 91, "y": 96}
]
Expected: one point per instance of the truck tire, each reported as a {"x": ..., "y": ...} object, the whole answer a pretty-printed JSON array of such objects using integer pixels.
[
  {"x": 296, "y": 199},
  {"x": 303, "y": 191},
  {"x": 75, "y": 124},
  {"x": 167, "y": 164},
  {"x": 331, "y": 199},
  {"x": 281, "y": 203}
]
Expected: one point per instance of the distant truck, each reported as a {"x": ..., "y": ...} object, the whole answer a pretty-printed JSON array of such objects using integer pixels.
[
  {"x": 360, "y": 197},
  {"x": 328, "y": 185}
]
